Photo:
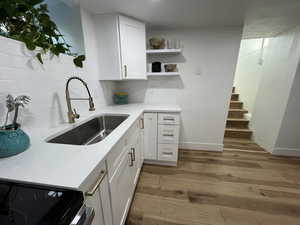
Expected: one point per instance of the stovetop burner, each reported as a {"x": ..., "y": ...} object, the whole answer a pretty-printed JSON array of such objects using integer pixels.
[{"x": 22, "y": 204}]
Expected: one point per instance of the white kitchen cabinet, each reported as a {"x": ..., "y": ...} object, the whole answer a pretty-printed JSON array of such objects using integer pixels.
[
  {"x": 97, "y": 197},
  {"x": 167, "y": 152},
  {"x": 121, "y": 187},
  {"x": 122, "y": 47},
  {"x": 167, "y": 134},
  {"x": 125, "y": 175},
  {"x": 161, "y": 137},
  {"x": 136, "y": 155},
  {"x": 150, "y": 136}
]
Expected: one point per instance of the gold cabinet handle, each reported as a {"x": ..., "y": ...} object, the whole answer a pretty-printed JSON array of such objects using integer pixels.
[
  {"x": 131, "y": 159},
  {"x": 142, "y": 123},
  {"x": 125, "y": 71},
  {"x": 133, "y": 153},
  {"x": 97, "y": 184}
]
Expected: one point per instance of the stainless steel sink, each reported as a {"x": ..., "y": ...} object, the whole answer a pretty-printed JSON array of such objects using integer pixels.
[{"x": 90, "y": 132}]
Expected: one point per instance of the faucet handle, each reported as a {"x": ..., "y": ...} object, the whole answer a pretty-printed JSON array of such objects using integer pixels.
[
  {"x": 76, "y": 115},
  {"x": 92, "y": 105}
]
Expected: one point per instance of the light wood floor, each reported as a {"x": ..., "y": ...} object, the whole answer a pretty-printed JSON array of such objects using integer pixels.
[{"x": 237, "y": 187}]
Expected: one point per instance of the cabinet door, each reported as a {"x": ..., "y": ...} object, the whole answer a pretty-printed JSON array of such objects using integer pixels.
[
  {"x": 136, "y": 153},
  {"x": 150, "y": 136},
  {"x": 142, "y": 127},
  {"x": 95, "y": 203},
  {"x": 121, "y": 189},
  {"x": 133, "y": 48},
  {"x": 100, "y": 202}
]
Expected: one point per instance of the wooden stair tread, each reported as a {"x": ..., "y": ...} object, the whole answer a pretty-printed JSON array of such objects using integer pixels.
[
  {"x": 238, "y": 129},
  {"x": 235, "y": 101},
  {"x": 238, "y": 110},
  {"x": 237, "y": 140},
  {"x": 237, "y": 119}
]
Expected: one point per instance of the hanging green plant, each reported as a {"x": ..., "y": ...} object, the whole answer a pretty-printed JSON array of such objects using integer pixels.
[{"x": 28, "y": 21}]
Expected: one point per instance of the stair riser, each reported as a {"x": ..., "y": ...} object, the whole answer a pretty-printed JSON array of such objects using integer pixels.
[
  {"x": 237, "y": 115},
  {"x": 234, "y": 97},
  {"x": 236, "y": 105},
  {"x": 237, "y": 124},
  {"x": 238, "y": 134}
]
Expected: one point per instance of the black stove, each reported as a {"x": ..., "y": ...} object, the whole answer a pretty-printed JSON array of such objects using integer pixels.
[{"x": 24, "y": 204}]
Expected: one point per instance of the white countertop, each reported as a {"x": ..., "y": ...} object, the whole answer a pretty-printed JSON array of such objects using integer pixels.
[{"x": 69, "y": 165}]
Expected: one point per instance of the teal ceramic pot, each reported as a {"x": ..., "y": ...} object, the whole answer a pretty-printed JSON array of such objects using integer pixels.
[{"x": 13, "y": 142}]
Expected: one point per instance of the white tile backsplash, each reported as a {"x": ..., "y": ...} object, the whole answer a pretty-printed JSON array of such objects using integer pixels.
[{"x": 21, "y": 73}]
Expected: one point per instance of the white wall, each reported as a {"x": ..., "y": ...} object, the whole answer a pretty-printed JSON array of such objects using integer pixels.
[
  {"x": 67, "y": 18},
  {"x": 288, "y": 141},
  {"x": 249, "y": 71},
  {"x": 207, "y": 67},
  {"x": 21, "y": 73},
  {"x": 278, "y": 72}
]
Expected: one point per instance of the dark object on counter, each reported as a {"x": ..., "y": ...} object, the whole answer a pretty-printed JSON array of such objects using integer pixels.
[
  {"x": 170, "y": 67},
  {"x": 156, "y": 67},
  {"x": 13, "y": 140},
  {"x": 121, "y": 98},
  {"x": 29, "y": 204}
]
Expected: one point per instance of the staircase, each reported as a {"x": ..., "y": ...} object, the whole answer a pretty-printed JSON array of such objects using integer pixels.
[{"x": 237, "y": 125}]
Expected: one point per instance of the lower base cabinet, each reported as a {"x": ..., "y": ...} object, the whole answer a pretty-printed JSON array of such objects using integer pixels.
[
  {"x": 125, "y": 175},
  {"x": 110, "y": 188},
  {"x": 97, "y": 197},
  {"x": 161, "y": 137},
  {"x": 121, "y": 185}
]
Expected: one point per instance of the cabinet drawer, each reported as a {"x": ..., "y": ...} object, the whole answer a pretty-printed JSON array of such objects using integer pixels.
[
  {"x": 114, "y": 156},
  {"x": 168, "y": 118},
  {"x": 168, "y": 134},
  {"x": 167, "y": 152}
]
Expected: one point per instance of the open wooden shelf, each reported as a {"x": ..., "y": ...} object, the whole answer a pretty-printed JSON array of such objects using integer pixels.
[
  {"x": 163, "y": 74},
  {"x": 163, "y": 51}
]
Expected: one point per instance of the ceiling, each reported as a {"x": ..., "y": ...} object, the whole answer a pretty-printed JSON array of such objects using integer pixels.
[{"x": 262, "y": 18}]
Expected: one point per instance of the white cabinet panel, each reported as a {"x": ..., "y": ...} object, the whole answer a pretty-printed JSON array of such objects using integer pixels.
[
  {"x": 99, "y": 199},
  {"x": 122, "y": 47},
  {"x": 150, "y": 136},
  {"x": 135, "y": 152},
  {"x": 121, "y": 189},
  {"x": 125, "y": 177},
  {"x": 168, "y": 152},
  {"x": 133, "y": 48},
  {"x": 168, "y": 134},
  {"x": 168, "y": 118}
]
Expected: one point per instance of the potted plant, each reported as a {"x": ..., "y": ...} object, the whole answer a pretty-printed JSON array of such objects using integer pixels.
[
  {"x": 13, "y": 139},
  {"x": 28, "y": 21}
]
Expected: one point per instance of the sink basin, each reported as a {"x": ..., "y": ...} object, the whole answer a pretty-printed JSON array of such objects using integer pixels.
[{"x": 90, "y": 132}]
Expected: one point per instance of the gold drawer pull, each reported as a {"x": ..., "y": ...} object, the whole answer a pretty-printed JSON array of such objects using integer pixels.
[
  {"x": 97, "y": 184},
  {"x": 168, "y": 135},
  {"x": 171, "y": 119},
  {"x": 168, "y": 153}
]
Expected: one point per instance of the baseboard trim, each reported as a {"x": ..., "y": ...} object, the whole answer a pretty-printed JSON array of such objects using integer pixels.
[
  {"x": 287, "y": 152},
  {"x": 201, "y": 146}
]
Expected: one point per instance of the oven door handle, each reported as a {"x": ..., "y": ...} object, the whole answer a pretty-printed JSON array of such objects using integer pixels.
[
  {"x": 90, "y": 213},
  {"x": 84, "y": 216}
]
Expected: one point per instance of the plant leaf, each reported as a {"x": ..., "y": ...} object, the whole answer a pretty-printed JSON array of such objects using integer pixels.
[
  {"x": 78, "y": 61},
  {"x": 39, "y": 57},
  {"x": 29, "y": 21},
  {"x": 30, "y": 45}
]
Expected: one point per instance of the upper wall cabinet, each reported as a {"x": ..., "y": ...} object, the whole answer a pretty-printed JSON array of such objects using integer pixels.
[{"x": 122, "y": 47}]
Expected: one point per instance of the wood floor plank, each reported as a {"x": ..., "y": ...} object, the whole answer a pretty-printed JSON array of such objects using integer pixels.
[
  {"x": 223, "y": 173},
  {"x": 241, "y": 186},
  {"x": 177, "y": 210},
  {"x": 233, "y": 216}
]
